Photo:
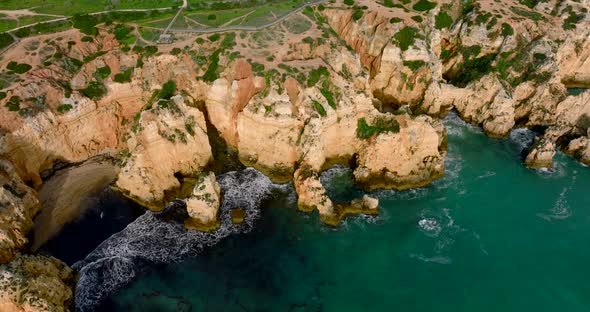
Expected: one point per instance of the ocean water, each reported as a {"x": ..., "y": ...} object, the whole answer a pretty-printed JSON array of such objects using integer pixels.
[{"x": 491, "y": 235}]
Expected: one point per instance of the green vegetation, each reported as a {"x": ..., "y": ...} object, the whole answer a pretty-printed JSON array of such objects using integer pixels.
[
  {"x": 86, "y": 24},
  {"x": 507, "y": 30},
  {"x": 94, "y": 90},
  {"x": 72, "y": 7},
  {"x": 13, "y": 104},
  {"x": 103, "y": 72},
  {"x": 418, "y": 18},
  {"x": 357, "y": 14},
  {"x": 414, "y": 65},
  {"x": 473, "y": 69},
  {"x": 168, "y": 90},
  {"x": 121, "y": 31},
  {"x": 328, "y": 96},
  {"x": 214, "y": 37},
  {"x": 92, "y": 57},
  {"x": 381, "y": 124},
  {"x": 535, "y": 16},
  {"x": 406, "y": 37},
  {"x": 531, "y": 3},
  {"x": 211, "y": 74},
  {"x": 5, "y": 40},
  {"x": 424, "y": 5},
  {"x": 572, "y": 19},
  {"x": 395, "y": 20},
  {"x": 319, "y": 108},
  {"x": 18, "y": 68},
  {"x": 64, "y": 108},
  {"x": 443, "y": 20},
  {"x": 316, "y": 74},
  {"x": 124, "y": 76},
  {"x": 297, "y": 24},
  {"x": 349, "y": 2}
]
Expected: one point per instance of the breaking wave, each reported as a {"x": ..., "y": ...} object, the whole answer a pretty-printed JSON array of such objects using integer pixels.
[
  {"x": 159, "y": 238},
  {"x": 523, "y": 138}
]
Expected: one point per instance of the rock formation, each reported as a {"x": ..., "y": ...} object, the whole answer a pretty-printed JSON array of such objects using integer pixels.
[
  {"x": 18, "y": 205},
  {"x": 203, "y": 205},
  {"x": 36, "y": 283},
  {"x": 169, "y": 140}
]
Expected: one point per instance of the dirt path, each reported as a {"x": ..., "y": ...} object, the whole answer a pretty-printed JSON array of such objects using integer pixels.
[
  {"x": 24, "y": 12},
  {"x": 242, "y": 17}
]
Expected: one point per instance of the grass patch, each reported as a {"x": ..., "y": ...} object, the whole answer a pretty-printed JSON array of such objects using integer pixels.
[
  {"x": 406, "y": 37},
  {"x": 124, "y": 76},
  {"x": 18, "y": 68},
  {"x": 95, "y": 90},
  {"x": 507, "y": 30},
  {"x": 414, "y": 65},
  {"x": 103, "y": 72},
  {"x": 535, "y": 16},
  {"x": 443, "y": 20},
  {"x": 316, "y": 74},
  {"x": 365, "y": 131},
  {"x": 319, "y": 108},
  {"x": 424, "y": 5},
  {"x": 63, "y": 108}
]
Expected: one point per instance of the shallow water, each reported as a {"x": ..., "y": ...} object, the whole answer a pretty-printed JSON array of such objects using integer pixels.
[{"x": 490, "y": 236}]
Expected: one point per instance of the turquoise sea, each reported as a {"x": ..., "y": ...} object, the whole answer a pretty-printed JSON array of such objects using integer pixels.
[{"x": 491, "y": 235}]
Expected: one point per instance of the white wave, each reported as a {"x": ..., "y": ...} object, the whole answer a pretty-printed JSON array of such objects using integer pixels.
[
  {"x": 457, "y": 127},
  {"x": 522, "y": 137},
  {"x": 558, "y": 171},
  {"x": 402, "y": 195},
  {"x": 430, "y": 226},
  {"x": 487, "y": 174},
  {"x": 561, "y": 209},
  {"x": 434, "y": 259},
  {"x": 152, "y": 240}
]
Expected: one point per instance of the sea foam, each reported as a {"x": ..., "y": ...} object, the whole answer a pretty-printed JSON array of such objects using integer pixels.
[{"x": 154, "y": 239}]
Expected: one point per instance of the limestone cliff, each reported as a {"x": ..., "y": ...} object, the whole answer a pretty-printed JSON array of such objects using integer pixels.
[
  {"x": 18, "y": 205},
  {"x": 169, "y": 140},
  {"x": 36, "y": 284}
]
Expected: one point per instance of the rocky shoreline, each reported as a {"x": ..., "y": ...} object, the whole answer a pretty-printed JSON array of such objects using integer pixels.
[{"x": 367, "y": 90}]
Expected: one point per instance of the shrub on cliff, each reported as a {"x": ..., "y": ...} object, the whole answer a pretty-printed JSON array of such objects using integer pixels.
[
  {"x": 13, "y": 104},
  {"x": 424, "y": 5},
  {"x": 365, "y": 131},
  {"x": 124, "y": 76},
  {"x": 443, "y": 20},
  {"x": 94, "y": 90},
  {"x": 85, "y": 23},
  {"x": 319, "y": 108},
  {"x": 18, "y": 68},
  {"x": 406, "y": 37},
  {"x": 211, "y": 73},
  {"x": 5, "y": 40},
  {"x": 103, "y": 72},
  {"x": 64, "y": 108},
  {"x": 168, "y": 90}
]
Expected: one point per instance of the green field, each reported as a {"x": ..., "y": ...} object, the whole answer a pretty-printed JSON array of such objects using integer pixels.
[
  {"x": 65, "y": 7},
  {"x": 247, "y": 16}
]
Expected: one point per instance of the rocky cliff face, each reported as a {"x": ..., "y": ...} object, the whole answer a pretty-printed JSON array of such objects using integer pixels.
[
  {"x": 36, "y": 283},
  {"x": 499, "y": 64},
  {"x": 364, "y": 86},
  {"x": 169, "y": 140},
  {"x": 18, "y": 205}
]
